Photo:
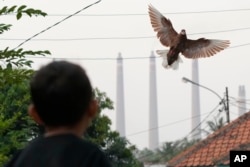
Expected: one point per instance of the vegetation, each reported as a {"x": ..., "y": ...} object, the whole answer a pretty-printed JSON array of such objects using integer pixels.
[
  {"x": 167, "y": 151},
  {"x": 15, "y": 127},
  {"x": 170, "y": 149},
  {"x": 216, "y": 124},
  {"x": 118, "y": 149}
]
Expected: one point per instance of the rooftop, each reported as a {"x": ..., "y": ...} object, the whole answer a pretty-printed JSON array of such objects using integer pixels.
[{"x": 216, "y": 147}]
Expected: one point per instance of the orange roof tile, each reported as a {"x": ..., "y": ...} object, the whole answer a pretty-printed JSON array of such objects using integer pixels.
[{"x": 216, "y": 147}]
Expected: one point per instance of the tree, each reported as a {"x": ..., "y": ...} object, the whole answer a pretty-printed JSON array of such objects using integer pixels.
[
  {"x": 118, "y": 149},
  {"x": 148, "y": 156},
  {"x": 171, "y": 149},
  {"x": 15, "y": 58},
  {"x": 214, "y": 125},
  {"x": 167, "y": 151},
  {"x": 15, "y": 69}
]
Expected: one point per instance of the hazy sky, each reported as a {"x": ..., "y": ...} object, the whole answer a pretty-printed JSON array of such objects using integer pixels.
[{"x": 96, "y": 36}]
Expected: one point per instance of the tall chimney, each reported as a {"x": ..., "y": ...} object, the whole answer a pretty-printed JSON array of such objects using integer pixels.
[
  {"x": 195, "y": 125},
  {"x": 153, "y": 113},
  {"x": 242, "y": 100},
  {"x": 120, "y": 114}
]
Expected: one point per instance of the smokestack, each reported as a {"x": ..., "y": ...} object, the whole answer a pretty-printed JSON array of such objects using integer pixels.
[
  {"x": 195, "y": 125},
  {"x": 242, "y": 100},
  {"x": 120, "y": 114},
  {"x": 153, "y": 112}
]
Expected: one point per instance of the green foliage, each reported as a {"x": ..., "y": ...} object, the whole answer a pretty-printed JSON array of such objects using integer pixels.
[
  {"x": 120, "y": 152},
  {"x": 16, "y": 59},
  {"x": 20, "y": 11},
  {"x": 16, "y": 128},
  {"x": 118, "y": 149},
  {"x": 148, "y": 156},
  {"x": 171, "y": 149},
  {"x": 100, "y": 127},
  {"x": 4, "y": 27},
  {"x": 214, "y": 125},
  {"x": 167, "y": 151}
]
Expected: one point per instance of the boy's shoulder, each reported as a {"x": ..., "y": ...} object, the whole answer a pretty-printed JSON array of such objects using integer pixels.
[{"x": 63, "y": 149}]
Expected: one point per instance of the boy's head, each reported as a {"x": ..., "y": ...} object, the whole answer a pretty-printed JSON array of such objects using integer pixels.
[{"x": 61, "y": 93}]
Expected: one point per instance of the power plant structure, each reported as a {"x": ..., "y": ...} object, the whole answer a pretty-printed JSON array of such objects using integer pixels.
[
  {"x": 153, "y": 110},
  {"x": 153, "y": 106},
  {"x": 242, "y": 100},
  {"x": 196, "y": 119},
  {"x": 120, "y": 111}
]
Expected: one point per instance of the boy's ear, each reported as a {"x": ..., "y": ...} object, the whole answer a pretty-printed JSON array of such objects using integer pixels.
[
  {"x": 93, "y": 109},
  {"x": 34, "y": 115}
]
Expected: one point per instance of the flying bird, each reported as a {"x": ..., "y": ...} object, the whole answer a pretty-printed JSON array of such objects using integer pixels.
[{"x": 179, "y": 43}]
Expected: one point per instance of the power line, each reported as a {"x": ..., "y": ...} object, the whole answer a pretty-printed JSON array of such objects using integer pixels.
[
  {"x": 81, "y": 39},
  {"x": 236, "y": 46},
  {"x": 109, "y": 58},
  {"x": 80, "y": 58},
  {"x": 176, "y": 122},
  {"x": 214, "y": 109},
  {"x": 237, "y": 99},
  {"x": 209, "y": 113},
  {"x": 122, "y": 38},
  {"x": 237, "y": 105},
  {"x": 145, "y": 14},
  {"x": 165, "y": 13},
  {"x": 69, "y": 16}
]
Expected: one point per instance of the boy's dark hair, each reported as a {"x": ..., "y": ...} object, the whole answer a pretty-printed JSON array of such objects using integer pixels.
[{"x": 61, "y": 92}]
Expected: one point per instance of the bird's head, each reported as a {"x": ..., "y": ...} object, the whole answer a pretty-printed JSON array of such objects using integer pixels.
[{"x": 183, "y": 32}]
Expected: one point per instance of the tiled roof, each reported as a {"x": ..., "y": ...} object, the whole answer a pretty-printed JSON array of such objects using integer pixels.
[{"x": 216, "y": 147}]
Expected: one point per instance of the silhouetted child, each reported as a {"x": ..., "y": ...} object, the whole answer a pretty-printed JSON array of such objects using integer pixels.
[{"x": 62, "y": 101}]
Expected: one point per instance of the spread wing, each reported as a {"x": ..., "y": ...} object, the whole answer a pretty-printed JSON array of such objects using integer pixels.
[
  {"x": 203, "y": 47},
  {"x": 163, "y": 26}
]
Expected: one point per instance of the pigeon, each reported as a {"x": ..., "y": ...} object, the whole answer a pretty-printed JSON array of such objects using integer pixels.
[{"x": 179, "y": 43}]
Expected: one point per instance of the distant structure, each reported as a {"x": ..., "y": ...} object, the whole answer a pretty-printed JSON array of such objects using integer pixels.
[
  {"x": 153, "y": 112},
  {"x": 195, "y": 125},
  {"x": 242, "y": 100},
  {"x": 120, "y": 113}
]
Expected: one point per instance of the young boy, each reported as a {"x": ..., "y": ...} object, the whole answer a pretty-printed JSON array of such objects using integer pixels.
[{"x": 62, "y": 102}]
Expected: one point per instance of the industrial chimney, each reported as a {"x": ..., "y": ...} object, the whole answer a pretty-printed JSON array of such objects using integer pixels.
[
  {"x": 242, "y": 100},
  {"x": 195, "y": 125},
  {"x": 120, "y": 114},
  {"x": 153, "y": 112}
]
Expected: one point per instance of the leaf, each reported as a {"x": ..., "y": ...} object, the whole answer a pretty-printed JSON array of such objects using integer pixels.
[
  {"x": 3, "y": 10},
  {"x": 19, "y": 15},
  {"x": 12, "y": 9},
  {"x": 21, "y": 8},
  {"x": 28, "y": 13},
  {"x": 4, "y": 27},
  {"x": 9, "y": 66}
]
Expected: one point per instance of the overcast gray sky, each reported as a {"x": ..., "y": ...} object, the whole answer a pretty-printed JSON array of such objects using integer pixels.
[{"x": 114, "y": 26}]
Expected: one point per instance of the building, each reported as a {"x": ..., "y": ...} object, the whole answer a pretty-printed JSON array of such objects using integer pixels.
[{"x": 215, "y": 149}]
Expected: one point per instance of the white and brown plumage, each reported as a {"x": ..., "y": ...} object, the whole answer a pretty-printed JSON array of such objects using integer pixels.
[{"x": 179, "y": 43}]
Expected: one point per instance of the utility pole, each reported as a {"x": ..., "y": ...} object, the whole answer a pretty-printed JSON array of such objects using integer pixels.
[{"x": 227, "y": 106}]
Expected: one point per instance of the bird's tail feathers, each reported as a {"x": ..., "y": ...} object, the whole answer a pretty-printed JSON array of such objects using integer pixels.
[
  {"x": 175, "y": 65},
  {"x": 163, "y": 54}
]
